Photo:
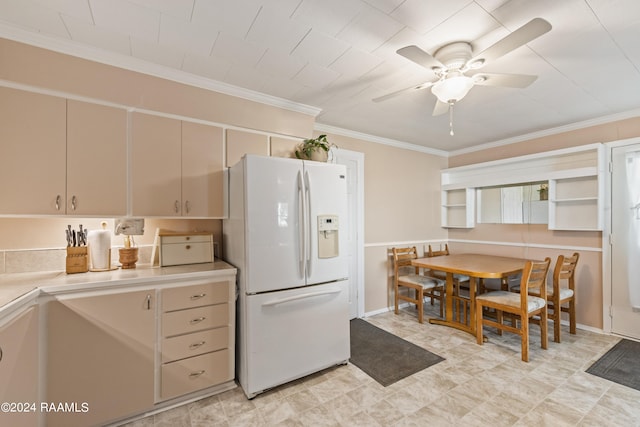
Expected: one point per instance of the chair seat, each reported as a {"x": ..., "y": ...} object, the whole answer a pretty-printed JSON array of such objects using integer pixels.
[
  {"x": 418, "y": 279},
  {"x": 512, "y": 299},
  {"x": 564, "y": 292}
]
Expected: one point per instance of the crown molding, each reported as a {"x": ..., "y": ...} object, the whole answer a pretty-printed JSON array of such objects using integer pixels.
[
  {"x": 378, "y": 140},
  {"x": 72, "y": 48},
  {"x": 551, "y": 131}
]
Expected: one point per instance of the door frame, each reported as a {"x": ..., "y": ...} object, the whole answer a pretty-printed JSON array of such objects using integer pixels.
[
  {"x": 358, "y": 157},
  {"x": 607, "y": 288}
]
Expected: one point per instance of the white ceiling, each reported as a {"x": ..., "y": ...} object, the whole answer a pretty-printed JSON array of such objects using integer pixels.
[{"x": 337, "y": 55}]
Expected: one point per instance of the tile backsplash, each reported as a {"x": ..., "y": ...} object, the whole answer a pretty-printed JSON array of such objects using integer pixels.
[{"x": 35, "y": 260}]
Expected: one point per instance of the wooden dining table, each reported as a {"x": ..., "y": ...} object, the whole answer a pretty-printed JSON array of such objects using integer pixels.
[{"x": 460, "y": 311}]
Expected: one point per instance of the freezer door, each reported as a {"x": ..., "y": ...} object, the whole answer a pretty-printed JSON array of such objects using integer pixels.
[
  {"x": 273, "y": 211},
  {"x": 326, "y": 185},
  {"x": 290, "y": 334}
]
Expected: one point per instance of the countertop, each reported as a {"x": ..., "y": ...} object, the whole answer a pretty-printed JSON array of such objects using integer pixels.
[{"x": 15, "y": 288}]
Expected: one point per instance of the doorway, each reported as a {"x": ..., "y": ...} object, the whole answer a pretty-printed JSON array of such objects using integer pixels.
[
  {"x": 625, "y": 240},
  {"x": 354, "y": 162}
]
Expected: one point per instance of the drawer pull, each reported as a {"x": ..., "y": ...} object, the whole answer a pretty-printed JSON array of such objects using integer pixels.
[
  {"x": 196, "y": 345},
  {"x": 198, "y": 320},
  {"x": 198, "y": 296},
  {"x": 196, "y": 374}
]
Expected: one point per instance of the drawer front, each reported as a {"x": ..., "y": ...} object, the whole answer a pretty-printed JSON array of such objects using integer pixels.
[
  {"x": 194, "y": 344},
  {"x": 187, "y": 239},
  {"x": 186, "y": 253},
  {"x": 195, "y": 296},
  {"x": 195, "y": 319},
  {"x": 195, "y": 373}
]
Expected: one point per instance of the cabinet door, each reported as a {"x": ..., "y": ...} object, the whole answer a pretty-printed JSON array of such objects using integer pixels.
[
  {"x": 19, "y": 368},
  {"x": 202, "y": 171},
  {"x": 96, "y": 159},
  {"x": 240, "y": 143},
  {"x": 32, "y": 153},
  {"x": 155, "y": 166},
  {"x": 101, "y": 351}
]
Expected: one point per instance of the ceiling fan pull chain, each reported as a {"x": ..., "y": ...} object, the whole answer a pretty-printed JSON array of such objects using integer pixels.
[{"x": 451, "y": 118}]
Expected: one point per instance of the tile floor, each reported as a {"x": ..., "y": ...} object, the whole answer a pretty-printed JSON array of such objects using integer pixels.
[{"x": 476, "y": 385}]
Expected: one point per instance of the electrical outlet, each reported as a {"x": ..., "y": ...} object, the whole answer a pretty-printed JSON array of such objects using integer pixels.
[{"x": 129, "y": 226}]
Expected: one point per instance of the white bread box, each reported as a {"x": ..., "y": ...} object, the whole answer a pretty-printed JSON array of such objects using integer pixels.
[{"x": 180, "y": 248}]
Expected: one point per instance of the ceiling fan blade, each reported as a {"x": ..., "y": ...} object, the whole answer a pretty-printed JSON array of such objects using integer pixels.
[
  {"x": 401, "y": 91},
  {"x": 419, "y": 56},
  {"x": 505, "y": 80},
  {"x": 523, "y": 35},
  {"x": 440, "y": 108}
]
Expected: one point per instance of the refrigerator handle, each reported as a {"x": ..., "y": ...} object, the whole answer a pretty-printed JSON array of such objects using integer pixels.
[
  {"x": 301, "y": 226},
  {"x": 301, "y": 296},
  {"x": 308, "y": 235}
]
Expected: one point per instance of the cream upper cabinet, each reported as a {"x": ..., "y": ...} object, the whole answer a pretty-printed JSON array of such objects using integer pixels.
[
  {"x": 96, "y": 159},
  {"x": 32, "y": 153},
  {"x": 240, "y": 143},
  {"x": 19, "y": 369},
  {"x": 61, "y": 156},
  {"x": 177, "y": 168},
  {"x": 101, "y": 351},
  {"x": 202, "y": 171},
  {"x": 155, "y": 166}
]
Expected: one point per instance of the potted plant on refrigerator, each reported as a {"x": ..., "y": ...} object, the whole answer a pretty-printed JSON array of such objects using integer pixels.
[{"x": 314, "y": 149}]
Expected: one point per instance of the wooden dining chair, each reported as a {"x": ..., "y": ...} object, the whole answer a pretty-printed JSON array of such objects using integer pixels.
[
  {"x": 418, "y": 285},
  {"x": 561, "y": 295},
  {"x": 522, "y": 304},
  {"x": 458, "y": 279}
]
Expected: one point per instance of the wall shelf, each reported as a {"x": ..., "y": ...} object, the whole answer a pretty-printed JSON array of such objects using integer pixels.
[
  {"x": 458, "y": 208},
  {"x": 576, "y": 186}
]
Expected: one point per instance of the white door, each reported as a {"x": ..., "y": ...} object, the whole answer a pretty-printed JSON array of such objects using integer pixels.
[
  {"x": 354, "y": 162},
  {"x": 625, "y": 247},
  {"x": 326, "y": 185},
  {"x": 273, "y": 191}
]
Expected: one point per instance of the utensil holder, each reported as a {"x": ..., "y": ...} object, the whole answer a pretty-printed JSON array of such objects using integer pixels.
[
  {"x": 128, "y": 257},
  {"x": 77, "y": 260}
]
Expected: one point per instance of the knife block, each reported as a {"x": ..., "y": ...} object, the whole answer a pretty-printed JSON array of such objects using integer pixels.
[{"x": 77, "y": 259}]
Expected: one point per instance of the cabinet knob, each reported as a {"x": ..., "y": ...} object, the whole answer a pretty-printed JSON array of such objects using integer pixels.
[
  {"x": 0, "y": 354},
  {"x": 197, "y": 320},
  {"x": 74, "y": 203},
  {"x": 196, "y": 345},
  {"x": 188, "y": 247},
  {"x": 58, "y": 202},
  {"x": 176, "y": 206},
  {"x": 196, "y": 374},
  {"x": 187, "y": 206}
]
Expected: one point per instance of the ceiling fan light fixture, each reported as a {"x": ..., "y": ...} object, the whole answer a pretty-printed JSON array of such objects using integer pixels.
[{"x": 453, "y": 88}]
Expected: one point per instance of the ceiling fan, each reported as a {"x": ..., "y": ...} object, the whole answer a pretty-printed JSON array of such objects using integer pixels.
[{"x": 456, "y": 67}]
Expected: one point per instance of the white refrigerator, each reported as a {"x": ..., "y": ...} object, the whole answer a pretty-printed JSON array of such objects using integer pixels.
[{"x": 286, "y": 234}]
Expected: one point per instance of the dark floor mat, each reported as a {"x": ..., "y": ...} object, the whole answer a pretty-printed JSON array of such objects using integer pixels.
[
  {"x": 385, "y": 357},
  {"x": 621, "y": 364}
]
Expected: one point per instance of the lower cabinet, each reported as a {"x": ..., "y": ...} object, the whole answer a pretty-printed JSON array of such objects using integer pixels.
[
  {"x": 116, "y": 354},
  {"x": 197, "y": 324},
  {"x": 19, "y": 369},
  {"x": 101, "y": 355}
]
